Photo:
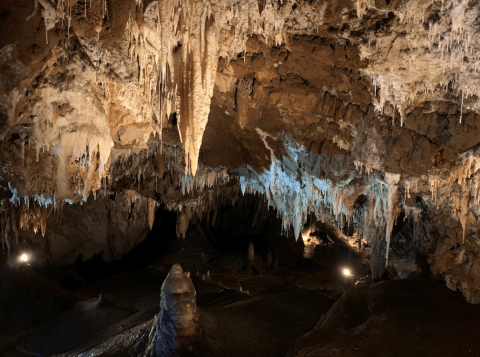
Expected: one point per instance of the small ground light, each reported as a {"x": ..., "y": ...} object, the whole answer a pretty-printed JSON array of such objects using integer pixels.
[
  {"x": 24, "y": 257},
  {"x": 346, "y": 272}
]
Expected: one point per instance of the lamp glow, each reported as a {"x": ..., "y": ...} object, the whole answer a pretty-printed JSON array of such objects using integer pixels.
[{"x": 346, "y": 272}]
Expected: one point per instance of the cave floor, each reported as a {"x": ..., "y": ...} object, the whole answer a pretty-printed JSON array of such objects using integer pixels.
[
  {"x": 275, "y": 307},
  {"x": 292, "y": 312},
  {"x": 302, "y": 308}
]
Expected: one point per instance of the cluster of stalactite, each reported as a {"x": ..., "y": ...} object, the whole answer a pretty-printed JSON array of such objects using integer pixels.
[
  {"x": 438, "y": 39},
  {"x": 30, "y": 214}
]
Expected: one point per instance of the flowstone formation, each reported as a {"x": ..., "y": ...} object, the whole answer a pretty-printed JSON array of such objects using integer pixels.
[{"x": 360, "y": 115}]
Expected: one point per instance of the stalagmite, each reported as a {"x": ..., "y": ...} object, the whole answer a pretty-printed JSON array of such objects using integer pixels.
[
  {"x": 182, "y": 225},
  {"x": 177, "y": 325},
  {"x": 251, "y": 253}
]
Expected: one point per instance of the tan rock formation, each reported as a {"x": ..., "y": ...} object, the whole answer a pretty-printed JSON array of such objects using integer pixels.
[{"x": 352, "y": 112}]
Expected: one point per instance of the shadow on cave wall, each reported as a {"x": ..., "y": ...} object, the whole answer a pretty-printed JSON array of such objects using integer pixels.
[
  {"x": 95, "y": 269},
  {"x": 411, "y": 240}
]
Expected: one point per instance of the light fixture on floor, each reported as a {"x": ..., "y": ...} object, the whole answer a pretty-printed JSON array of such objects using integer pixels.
[{"x": 24, "y": 258}]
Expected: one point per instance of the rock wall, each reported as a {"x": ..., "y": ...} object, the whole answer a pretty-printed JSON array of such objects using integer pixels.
[
  {"x": 337, "y": 109},
  {"x": 108, "y": 227}
]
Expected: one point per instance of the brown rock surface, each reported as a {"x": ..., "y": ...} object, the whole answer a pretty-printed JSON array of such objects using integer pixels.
[{"x": 344, "y": 110}]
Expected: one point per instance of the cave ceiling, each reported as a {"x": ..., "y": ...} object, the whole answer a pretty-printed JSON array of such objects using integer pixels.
[{"x": 350, "y": 111}]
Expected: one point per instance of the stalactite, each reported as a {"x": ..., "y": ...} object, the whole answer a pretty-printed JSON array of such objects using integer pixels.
[
  {"x": 464, "y": 209},
  {"x": 295, "y": 198},
  {"x": 453, "y": 64},
  {"x": 151, "y": 205},
  {"x": 392, "y": 182},
  {"x": 49, "y": 14},
  {"x": 189, "y": 31},
  {"x": 187, "y": 78}
]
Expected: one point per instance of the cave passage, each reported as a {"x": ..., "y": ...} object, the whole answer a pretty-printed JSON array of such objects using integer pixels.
[
  {"x": 253, "y": 290},
  {"x": 221, "y": 178}
]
